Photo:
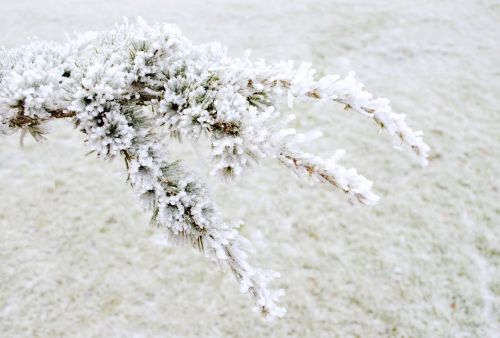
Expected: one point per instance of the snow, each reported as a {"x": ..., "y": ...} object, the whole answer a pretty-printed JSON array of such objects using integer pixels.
[{"x": 77, "y": 254}]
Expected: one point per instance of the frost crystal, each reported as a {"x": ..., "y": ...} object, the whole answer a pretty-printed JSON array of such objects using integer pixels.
[{"x": 131, "y": 89}]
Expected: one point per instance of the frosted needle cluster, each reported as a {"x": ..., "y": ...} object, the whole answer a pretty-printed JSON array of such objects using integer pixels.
[{"x": 134, "y": 89}]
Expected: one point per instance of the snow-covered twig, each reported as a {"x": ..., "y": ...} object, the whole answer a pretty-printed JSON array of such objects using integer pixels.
[{"x": 132, "y": 89}]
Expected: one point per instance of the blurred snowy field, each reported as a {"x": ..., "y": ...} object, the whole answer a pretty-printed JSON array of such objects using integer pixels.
[{"x": 78, "y": 258}]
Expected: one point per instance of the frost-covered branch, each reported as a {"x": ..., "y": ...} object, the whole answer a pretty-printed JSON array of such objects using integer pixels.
[{"x": 131, "y": 90}]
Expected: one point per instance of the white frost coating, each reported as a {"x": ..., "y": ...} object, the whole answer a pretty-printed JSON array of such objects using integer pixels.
[
  {"x": 350, "y": 92},
  {"x": 130, "y": 88}
]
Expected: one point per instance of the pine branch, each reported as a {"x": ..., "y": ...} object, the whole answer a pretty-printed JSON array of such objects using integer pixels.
[{"x": 131, "y": 90}]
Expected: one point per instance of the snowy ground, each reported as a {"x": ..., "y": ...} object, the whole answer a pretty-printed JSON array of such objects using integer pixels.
[{"x": 77, "y": 257}]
